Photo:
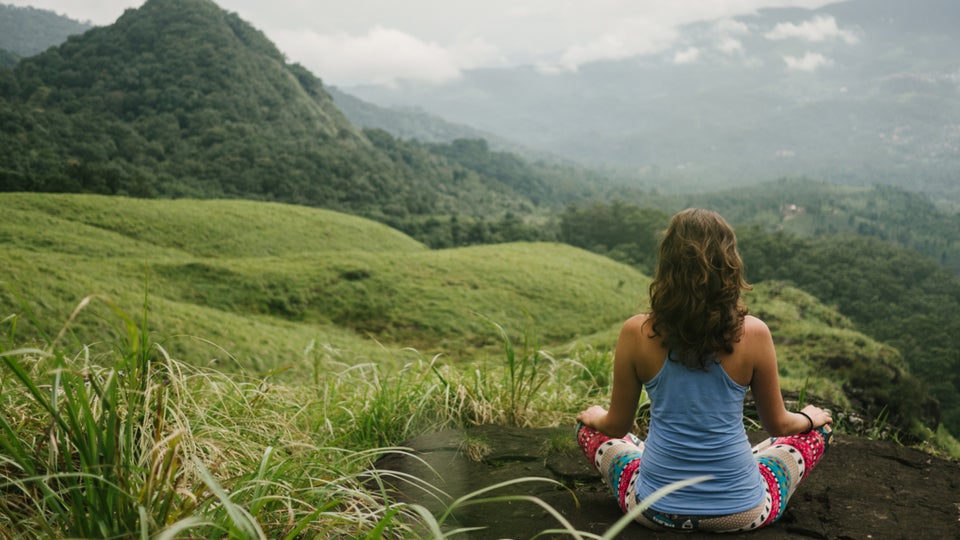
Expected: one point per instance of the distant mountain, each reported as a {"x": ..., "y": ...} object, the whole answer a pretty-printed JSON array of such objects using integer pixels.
[
  {"x": 859, "y": 92},
  {"x": 409, "y": 122},
  {"x": 182, "y": 99},
  {"x": 26, "y": 31}
]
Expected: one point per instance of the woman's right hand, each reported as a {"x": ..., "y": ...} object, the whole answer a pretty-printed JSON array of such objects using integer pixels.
[{"x": 592, "y": 416}]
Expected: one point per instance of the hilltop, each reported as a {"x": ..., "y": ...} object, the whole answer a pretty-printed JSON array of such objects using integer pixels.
[{"x": 307, "y": 317}]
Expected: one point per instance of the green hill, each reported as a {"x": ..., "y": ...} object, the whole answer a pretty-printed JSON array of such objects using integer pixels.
[
  {"x": 263, "y": 280},
  {"x": 202, "y": 228},
  {"x": 408, "y": 123}
]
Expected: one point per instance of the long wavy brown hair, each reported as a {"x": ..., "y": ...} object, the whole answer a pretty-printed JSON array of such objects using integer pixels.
[{"x": 695, "y": 302}]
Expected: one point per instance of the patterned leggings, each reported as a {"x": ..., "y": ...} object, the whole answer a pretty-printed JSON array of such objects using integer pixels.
[{"x": 783, "y": 462}]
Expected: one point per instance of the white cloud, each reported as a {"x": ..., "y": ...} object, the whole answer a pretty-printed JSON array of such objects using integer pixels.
[
  {"x": 686, "y": 56},
  {"x": 630, "y": 38},
  {"x": 474, "y": 51},
  {"x": 820, "y": 28},
  {"x": 730, "y": 46},
  {"x": 731, "y": 27},
  {"x": 380, "y": 41},
  {"x": 808, "y": 62},
  {"x": 381, "y": 56},
  {"x": 726, "y": 34}
]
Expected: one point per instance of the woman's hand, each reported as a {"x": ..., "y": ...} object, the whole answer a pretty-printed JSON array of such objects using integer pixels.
[
  {"x": 817, "y": 415},
  {"x": 592, "y": 416}
]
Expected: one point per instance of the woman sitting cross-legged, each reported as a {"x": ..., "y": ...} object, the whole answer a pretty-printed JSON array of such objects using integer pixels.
[{"x": 696, "y": 352}]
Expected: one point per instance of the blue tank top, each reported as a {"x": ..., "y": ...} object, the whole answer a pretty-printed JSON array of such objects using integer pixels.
[{"x": 696, "y": 428}]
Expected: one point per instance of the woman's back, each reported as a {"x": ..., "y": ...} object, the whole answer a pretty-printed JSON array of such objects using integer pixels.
[{"x": 696, "y": 429}]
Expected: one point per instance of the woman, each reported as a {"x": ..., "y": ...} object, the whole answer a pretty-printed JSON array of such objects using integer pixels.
[{"x": 696, "y": 352}]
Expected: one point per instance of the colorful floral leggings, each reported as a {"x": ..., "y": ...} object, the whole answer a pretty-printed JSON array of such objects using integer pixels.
[{"x": 783, "y": 462}]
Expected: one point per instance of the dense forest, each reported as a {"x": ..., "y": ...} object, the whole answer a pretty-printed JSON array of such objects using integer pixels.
[
  {"x": 811, "y": 208},
  {"x": 181, "y": 99}
]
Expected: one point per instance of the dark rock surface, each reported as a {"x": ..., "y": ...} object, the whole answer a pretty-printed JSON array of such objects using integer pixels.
[{"x": 862, "y": 489}]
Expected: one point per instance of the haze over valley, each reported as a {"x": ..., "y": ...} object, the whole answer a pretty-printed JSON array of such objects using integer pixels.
[{"x": 859, "y": 92}]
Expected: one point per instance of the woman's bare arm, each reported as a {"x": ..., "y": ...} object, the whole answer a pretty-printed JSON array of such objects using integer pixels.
[
  {"x": 765, "y": 384},
  {"x": 618, "y": 420}
]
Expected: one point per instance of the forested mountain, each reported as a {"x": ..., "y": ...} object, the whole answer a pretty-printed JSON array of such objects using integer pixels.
[
  {"x": 180, "y": 98},
  {"x": 872, "y": 98},
  {"x": 26, "y": 31}
]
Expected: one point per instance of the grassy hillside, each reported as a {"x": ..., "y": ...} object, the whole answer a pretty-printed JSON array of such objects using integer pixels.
[
  {"x": 264, "y": 280},
  {"x": 200, "y": 228},
  {"x": 252, "y": 286}
]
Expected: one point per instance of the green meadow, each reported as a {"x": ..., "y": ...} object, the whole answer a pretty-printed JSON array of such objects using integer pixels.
[{"x": 233, "y": 368}]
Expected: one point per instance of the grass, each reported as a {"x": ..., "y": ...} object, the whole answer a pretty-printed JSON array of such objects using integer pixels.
[
  {"x": 153, "y": 446},
  {"x": 119, "y": 439}
]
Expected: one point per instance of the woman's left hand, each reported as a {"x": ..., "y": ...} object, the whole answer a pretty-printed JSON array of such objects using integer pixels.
[{"x": 817, "y": 416}]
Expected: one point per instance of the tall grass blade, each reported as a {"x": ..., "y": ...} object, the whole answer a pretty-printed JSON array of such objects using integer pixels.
[
  {"x": 462, "y": 500},
  {"x": 174, "y": 531},
  {"x": 628, "y": 518},
  {"x": 568, "y": 528},
  {"x": 239, "y": 519},
  {"x": 382, "y": 525}
]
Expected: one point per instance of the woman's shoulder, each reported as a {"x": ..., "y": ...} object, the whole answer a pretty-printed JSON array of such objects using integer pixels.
[
  {"x": 755, "y": 340},
  {"x": 640, "y": 328},
  {"x": 754, "y": 327},
  {"x": 639, "y": 322},
  {"x": 639, "y": 343}
]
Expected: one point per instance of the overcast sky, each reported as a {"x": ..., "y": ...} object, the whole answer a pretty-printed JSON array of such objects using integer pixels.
[{"x": 348, "y": 42}]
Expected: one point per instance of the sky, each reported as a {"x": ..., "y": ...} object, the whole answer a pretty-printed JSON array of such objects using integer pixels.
[{"x": 355, "y": 42}]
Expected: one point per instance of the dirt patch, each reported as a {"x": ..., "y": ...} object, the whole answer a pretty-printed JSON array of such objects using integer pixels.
[{"x": 862, "y": 489}]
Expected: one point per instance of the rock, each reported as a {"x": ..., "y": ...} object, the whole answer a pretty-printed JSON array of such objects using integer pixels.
[{"x": 862, "y": 489}]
